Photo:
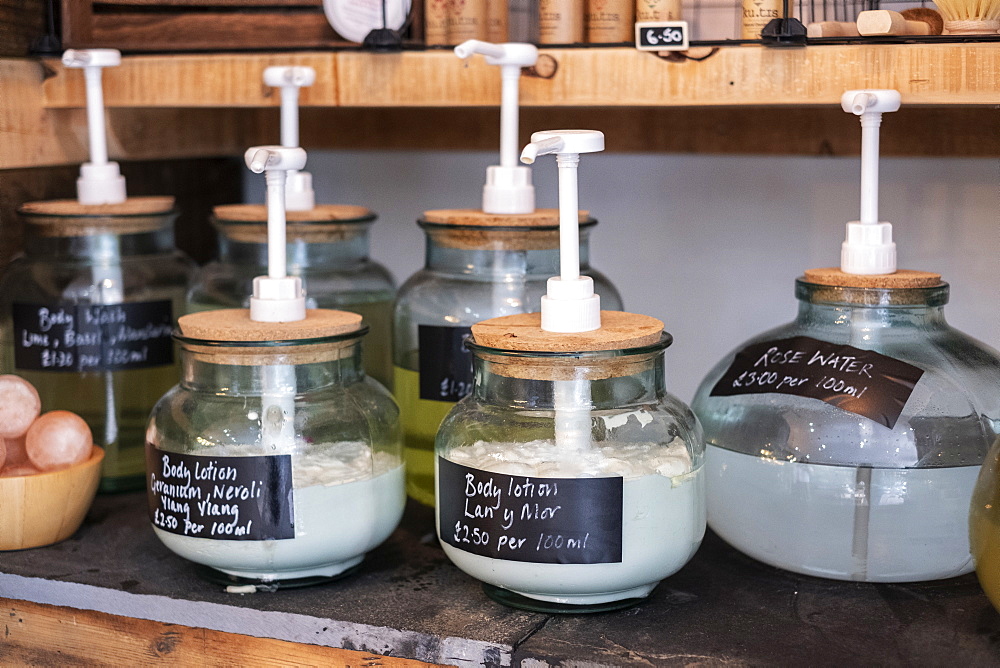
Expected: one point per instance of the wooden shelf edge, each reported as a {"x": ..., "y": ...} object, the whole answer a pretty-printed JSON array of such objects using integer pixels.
[{"x": 925, "y": 74}]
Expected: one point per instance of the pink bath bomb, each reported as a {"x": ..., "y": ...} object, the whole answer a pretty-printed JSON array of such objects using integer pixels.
[
  {"x": 19, "y": 406},
  {"x": 57, "y": 440},
  {"x": 3, "y": 453}
]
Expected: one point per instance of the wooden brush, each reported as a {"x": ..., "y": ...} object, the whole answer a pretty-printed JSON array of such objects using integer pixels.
[
  {"x": 917, "y": 21},
  {"x": 832, "y": 29},
  {"x": 970, "y": 17}
]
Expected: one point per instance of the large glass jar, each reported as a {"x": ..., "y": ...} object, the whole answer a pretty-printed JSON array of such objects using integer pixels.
[
  {"x": 472, "y": 272},
  {"x": 846, "y": 443},
  {"x": 86, "y": 316},
  {"x": 327, "y": 247},
  {"x": 570, "y": 481},
  {"x": 275, "y": 460},
  {"x": 984, "y": 526}
]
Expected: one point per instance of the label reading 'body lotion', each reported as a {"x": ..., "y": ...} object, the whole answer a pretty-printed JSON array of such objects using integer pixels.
[
  {"x": 445, "y": 364},
  {"x": 860, "y": 381},
  {"x": 220, "y": 498},
  {"x": 522, "y": 518},
  {"x": 95, "y": 337}
]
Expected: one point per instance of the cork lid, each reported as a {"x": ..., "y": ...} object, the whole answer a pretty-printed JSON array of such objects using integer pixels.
[
  {"x": 67, "y": 217},
  {"x": 902, "y": 278},
  {"x": 469, "y": 229},
  {"x": 324, "y": 223},
  {"x": 235, "y": 325},
  {"x": 205, "y": 329},
  {"x": 523, "y": 332}
]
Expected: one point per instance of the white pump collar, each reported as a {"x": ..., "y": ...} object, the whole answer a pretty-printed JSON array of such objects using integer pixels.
[
  {"x": 508, "y": 188},
  {"x": 868, "y": 248},
  {"x": 276, "y": 297},
  {"x": 100, "y": 181},
  {"x": 570, "y": 304}
]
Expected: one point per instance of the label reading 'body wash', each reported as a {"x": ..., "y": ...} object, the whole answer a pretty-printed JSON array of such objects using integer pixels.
[
  {"x": 525, "y": 518},
  {"x": 860, "y": 381},
  {"x": 445, "y": 364},
  {"x": 92, "y": 337},
  {"x": 220, "y": 498}
]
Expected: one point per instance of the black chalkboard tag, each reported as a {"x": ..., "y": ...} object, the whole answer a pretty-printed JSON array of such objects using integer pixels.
[
  {"x": 864, "y": 382},
  {"x": 445, "y": 364},
  {"x": 92, "y": 337},
  {"x": 661, "y": 36},
  {"x": 522, "y": 518},
  {"x": 220, "y": 498}
]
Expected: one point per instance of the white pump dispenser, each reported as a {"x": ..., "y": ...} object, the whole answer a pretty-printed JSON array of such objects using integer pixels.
[
  {"x": 299, "y": 195},
  {"x": 100, "y": 181},
  {"x": 570, "y": 304},
  {"x": 869, "y": 248},
  {"x": 508, "y": 188},
  {"x": 276, "y": 297}
]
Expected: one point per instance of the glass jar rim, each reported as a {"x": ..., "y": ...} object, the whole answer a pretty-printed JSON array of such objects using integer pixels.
[
  {"x": 665, "y": 340},
  {"x": 934, "y": 295},
  {"x": 283, "y": 343},
  {"x": 425, "y": 224}
]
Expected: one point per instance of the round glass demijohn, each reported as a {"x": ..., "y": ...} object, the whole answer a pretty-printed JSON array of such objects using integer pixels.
[
  {"x": 86, "y": 315},
  {"x": 327, "y": 247},
  {"x": 309, "y": 440},
  {"x": 578, "y": 509},
  {"x": 803, "y": 484},
  {"x": 472, "y": 272}
]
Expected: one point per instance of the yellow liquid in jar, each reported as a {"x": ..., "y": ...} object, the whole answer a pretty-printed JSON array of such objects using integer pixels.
[
  {"x": 421, "y": 419},
  {"x": 984, "y": 526},
  {"x": 376, "y": 347}
]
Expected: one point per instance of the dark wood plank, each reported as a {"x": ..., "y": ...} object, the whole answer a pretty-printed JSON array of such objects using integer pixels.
[{"x": 21, "y": 22}]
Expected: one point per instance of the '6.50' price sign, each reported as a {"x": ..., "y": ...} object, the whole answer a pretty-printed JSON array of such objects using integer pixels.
[{"x": 661, "y": 36}]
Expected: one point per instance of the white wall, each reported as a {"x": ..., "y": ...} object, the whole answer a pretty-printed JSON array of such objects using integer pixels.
[{"x": 709, "y": 244}]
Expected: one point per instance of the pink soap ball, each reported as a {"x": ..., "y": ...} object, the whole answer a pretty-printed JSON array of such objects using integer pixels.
[
  {"x": 3, "y": 453},
  {"x": 17, "y": 471},
  {"x": 17, "y": 454},
  {"x": 19, "y": 406},
  {"x": 57, "y": 440}
]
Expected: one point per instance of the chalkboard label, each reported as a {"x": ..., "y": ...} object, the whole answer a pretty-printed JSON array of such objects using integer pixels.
[
  {"x": 521, "y": 518},
  {"x": 220, "y": 498},
  {"x": 860, "y": 381},
  {"x": 96, "y": 337},
  {"x": 445, "y": 364},
  {"x": 661, "y": 36}
]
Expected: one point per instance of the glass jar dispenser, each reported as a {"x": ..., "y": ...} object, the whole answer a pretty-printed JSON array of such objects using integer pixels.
[
  {"x": 275, "y": 460},
  {"x": 472, "y": 272},
  {"x": 327, "y": 247},
  {"x": 86, "y": 316},
  {"x": 846, "y": 443},
  {"x": 570, "y": 508}
]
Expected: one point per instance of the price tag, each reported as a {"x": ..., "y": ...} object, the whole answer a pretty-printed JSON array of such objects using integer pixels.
[
  {"x": 661, "y": 36},
  {"x": 445, "y": 364},
  {"x": 526, "y": 518},
  {"x": 860, "y": 381}
]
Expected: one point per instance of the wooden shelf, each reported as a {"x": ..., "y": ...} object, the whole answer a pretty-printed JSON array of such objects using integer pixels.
[
  {"x": 925, "y": 74},
  {"x": 751, "y": 100}
]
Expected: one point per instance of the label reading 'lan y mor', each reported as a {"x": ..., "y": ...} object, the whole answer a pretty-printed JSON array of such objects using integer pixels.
[
  {"x": 523, "y": 518},
  {"x": 220, "y": 498},
  {"x": 860, "y": 381}
]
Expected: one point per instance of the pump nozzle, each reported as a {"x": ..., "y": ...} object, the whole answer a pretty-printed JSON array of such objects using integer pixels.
[
  {"x": 300, "y": 195},
  {"x": 869, "y": 248},
  {"x": 100, "y": 181},
  {"x": 508, "y": 186},
  {"x": 276, "y": 297},
  {"x": 570, "y": 304}
]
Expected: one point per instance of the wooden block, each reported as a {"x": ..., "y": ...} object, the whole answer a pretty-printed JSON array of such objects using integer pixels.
[
  {"x": 903, "y": 278},
  {"x": 48, "y": 635},
  {"x": 69, "y": 218},
  {"x": 325, "y": 223},
  {"x": 236, "y": 325},
  {"x": 523, "y": 332}
]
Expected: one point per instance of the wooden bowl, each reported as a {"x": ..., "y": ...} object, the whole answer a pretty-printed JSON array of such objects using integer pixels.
[{"x": 45, "y": 508}]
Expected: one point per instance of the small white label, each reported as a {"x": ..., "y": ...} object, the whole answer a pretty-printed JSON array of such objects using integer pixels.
[{"x": 661, "y": 36}]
